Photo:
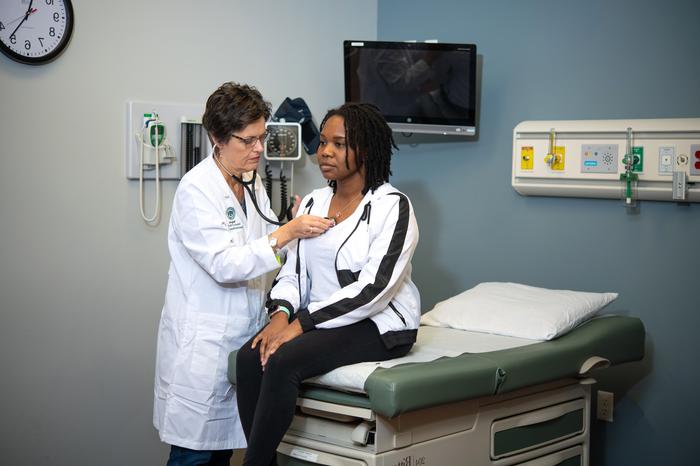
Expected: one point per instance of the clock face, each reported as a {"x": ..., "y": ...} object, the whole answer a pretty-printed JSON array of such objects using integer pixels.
[{"x": 35, "y": 31}]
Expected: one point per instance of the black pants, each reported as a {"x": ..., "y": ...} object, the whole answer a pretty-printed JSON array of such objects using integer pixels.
[
  {"x": 180, "y": 456},
  {"x": 267, "y": 399}
]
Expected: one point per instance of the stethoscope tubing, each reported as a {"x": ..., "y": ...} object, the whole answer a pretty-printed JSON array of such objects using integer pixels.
[{"x": 254, "y": 198}]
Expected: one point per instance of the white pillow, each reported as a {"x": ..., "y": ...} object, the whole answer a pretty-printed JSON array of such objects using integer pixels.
[{"x": 516, "y": 310}]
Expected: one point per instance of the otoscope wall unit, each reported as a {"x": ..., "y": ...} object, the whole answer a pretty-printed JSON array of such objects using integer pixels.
[
  {"x": 650, "y": 159},
  {"x": 168, "y": 132}
]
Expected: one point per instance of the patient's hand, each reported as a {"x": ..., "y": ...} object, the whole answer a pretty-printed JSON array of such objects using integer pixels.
[
  {"x": 292, "y": 331},
  {"x": 276, "y": 325}
]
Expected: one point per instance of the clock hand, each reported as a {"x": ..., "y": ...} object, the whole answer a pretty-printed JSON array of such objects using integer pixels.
[
  {"x": 16, "y": 19},
  {"x": 26, "y": 15}
]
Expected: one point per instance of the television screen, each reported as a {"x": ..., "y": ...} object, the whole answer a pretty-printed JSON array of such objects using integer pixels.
[{"x": 419, "y": 87}]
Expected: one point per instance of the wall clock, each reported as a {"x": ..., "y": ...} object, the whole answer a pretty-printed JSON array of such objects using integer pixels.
[{"x": 35, "y": 31}]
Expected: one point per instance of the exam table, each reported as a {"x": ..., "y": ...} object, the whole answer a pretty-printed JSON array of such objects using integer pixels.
[{"x": 529, "y": 406}]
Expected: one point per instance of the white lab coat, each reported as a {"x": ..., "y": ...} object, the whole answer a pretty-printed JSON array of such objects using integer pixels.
[{"x": 213, "y": 304}]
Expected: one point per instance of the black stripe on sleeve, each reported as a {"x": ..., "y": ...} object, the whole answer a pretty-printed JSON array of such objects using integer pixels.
[{"x": 381, "y": 280}]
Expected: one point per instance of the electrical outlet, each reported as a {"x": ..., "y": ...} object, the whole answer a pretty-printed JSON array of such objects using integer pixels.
[
  {"x": 694, "y": 159},
  {"x": 604, "y": 409}
]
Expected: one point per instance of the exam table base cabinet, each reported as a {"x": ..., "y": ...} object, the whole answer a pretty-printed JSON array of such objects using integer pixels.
[{"x": 544, "y": 425}]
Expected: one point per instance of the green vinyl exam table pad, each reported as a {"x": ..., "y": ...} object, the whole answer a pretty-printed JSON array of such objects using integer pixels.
[{"x": 399, "y": 389}]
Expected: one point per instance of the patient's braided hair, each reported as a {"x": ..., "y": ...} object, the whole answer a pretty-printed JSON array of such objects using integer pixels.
[{"x": 369, "y": 135}]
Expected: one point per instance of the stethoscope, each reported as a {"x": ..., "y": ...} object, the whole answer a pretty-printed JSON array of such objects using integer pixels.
[{"x": 251, "y": 192}]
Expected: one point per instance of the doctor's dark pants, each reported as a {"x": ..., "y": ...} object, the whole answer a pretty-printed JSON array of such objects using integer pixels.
[
  {"x": 267, "y": 399},
  {"x": 180, "y": 456}
]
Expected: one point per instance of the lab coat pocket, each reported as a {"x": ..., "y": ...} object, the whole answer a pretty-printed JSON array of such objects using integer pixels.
[
  {"x": 209, "y": 345},
  {"x": 242, "y": 329}
]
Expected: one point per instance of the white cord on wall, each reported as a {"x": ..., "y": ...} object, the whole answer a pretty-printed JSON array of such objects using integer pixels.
[{"x": 142, "y": 143}]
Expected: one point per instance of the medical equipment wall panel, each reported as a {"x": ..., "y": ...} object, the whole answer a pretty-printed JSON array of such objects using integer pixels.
[
  {"x": 141, "y": 144},
  {"x": 655, "y": 159}
]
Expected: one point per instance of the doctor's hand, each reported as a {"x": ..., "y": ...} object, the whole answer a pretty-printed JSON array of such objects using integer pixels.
[
  {"x": 292, "y": 331},
  {"x": 303, "y": 226}
]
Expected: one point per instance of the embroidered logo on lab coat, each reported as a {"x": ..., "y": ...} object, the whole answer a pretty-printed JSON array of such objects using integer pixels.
[{"x": 233, "y": 222}]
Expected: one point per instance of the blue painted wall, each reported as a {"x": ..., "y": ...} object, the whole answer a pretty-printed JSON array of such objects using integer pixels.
[{"x": 565, "y": 59}]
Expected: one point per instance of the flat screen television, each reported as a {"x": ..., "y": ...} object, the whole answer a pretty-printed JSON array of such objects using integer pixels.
[{"x": 419, "y": 87}]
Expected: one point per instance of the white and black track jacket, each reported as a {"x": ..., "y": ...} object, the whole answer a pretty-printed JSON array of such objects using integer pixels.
[{"x": 373, "y": 267}]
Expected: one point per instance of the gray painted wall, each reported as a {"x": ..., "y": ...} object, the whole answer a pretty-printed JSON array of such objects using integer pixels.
[
  {"x": 82, "y": 278},
  {"x": 566, "y": 59}
]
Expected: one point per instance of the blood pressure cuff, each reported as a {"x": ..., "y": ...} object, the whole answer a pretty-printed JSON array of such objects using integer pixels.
[{"x": 296, "y": 111}]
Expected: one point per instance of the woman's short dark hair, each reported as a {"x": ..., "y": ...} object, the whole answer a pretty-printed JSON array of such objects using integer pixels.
[
  {"x": 231, "y": 108},
  {"x": 369, "y": 135}
]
